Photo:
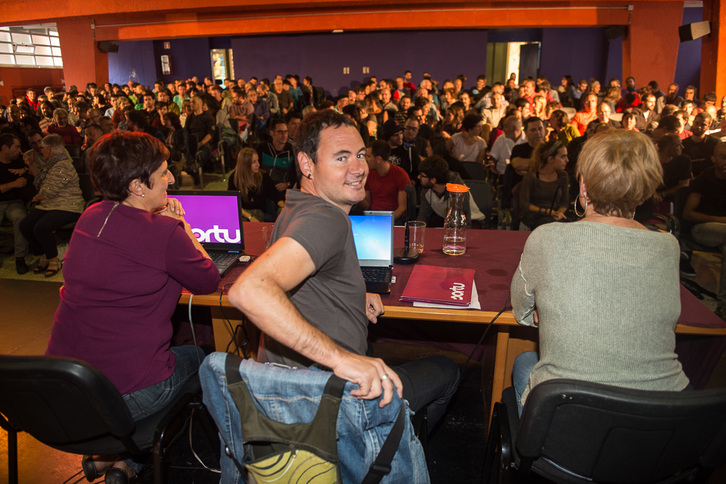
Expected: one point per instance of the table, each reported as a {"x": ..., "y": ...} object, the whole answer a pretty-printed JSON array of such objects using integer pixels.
[{"x": 494, "y": 255}]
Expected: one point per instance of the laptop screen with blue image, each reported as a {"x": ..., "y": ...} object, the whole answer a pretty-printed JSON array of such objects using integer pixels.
[{"x": 373, "y": 236}]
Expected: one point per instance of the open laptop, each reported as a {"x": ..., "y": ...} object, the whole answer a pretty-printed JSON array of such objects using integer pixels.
[
  {"x": 216, "y": 223},
  {"x": 373, "y": 236}
]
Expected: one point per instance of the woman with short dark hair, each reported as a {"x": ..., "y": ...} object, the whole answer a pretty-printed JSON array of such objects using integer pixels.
[{"x": 127, "y": 262}]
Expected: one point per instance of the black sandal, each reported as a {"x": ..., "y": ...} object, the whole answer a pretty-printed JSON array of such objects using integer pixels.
[
  {"x": 38, "y": 269},
  {"x": 51, "y": 272}
]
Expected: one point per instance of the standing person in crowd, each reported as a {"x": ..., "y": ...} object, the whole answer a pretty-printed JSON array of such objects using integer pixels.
[
  {"x": 568, "y": 270},
  {"x": 59, "y": 202},
  {"x": 16, "y": 190}
]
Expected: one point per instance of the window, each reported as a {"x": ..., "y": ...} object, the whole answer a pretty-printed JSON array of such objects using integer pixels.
[{"x": 30, "y": 45}]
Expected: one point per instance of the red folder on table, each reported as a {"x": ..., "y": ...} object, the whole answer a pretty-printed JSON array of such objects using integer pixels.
[{"x": 439, "y": 285}]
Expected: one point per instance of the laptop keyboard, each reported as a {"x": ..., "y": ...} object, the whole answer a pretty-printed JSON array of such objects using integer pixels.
[
  {"x": 377, "y": 274},
  {"x": 223, "y": 259}
]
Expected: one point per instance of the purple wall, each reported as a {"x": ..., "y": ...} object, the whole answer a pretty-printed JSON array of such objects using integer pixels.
[
  {"x": 582, "y": 53},
  {"x": 189, "y": 57},
  {"x": 134, "y": 61},
  {"x": 443, "y": 54},
  {"x": 614, "y": 60},
  {"x": 688, "y": 68}
]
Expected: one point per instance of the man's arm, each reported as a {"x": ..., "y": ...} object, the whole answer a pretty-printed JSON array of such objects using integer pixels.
[
  {"x": 261, "y": 293},
  {"x": 690, "y": 213}
]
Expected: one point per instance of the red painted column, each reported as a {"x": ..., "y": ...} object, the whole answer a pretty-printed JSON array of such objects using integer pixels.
[
  {"x": 713, "y": 68},
  {"x": 82, "y": 61},
  {"x": 650, "y": 50}
]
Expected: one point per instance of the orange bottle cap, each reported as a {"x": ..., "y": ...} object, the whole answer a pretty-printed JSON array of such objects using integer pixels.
[{"x": 453, "y": 187}]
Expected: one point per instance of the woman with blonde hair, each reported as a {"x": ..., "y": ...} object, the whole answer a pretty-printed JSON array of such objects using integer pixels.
[
  {"x": 255, "y": 186},
  {"x": 603, "y": 291}
]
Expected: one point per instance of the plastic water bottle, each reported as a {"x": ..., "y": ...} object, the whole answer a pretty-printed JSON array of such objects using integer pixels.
[{"x": 455, "y": 222}]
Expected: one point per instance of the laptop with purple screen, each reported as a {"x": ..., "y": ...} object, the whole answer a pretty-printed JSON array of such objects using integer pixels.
[{"x": 214, "y": 217}]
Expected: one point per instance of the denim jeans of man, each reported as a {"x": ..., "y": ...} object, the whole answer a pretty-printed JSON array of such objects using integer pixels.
[
  {"x": 521, "y": 369},
  {"x": 293, "y": 395},
  {"x": 151, "y": 399}
]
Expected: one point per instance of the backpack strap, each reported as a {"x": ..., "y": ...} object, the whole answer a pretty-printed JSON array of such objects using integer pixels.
[{"x": 382, "y": 465}]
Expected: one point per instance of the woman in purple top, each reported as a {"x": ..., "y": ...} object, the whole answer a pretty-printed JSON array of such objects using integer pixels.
[{"x": 127, "y": 261}]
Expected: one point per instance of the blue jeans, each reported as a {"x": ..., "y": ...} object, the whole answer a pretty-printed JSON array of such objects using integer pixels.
[
  {"x": 521, "y": 369},
  {"x": 293, "y": 395},
  {"x": 154, "y": 398}
]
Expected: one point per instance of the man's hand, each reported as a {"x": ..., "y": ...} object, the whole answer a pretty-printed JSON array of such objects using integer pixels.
[
  {"x": 374, "y": 307},
  {"x": 20, "y": 182},
  {"x": 372, "y": 376},
  {"x": 558, "y": 215},
  {"x": 18, "y": 171}
]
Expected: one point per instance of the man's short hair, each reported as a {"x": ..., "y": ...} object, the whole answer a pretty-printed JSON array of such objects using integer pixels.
[
  {"x": 380, "y": 148},
  {"x": 434, "y": 167},
  {"x": 8, "y": 139},
  {"x": 710, "y": 97},
  {"x": 562, "y": 117},
  {"x": 704, "y": 116},
  {"x": 32, "y": 133},
  {"x": 294, "y": 114},
  {"x": 120, "y": 157},
  {"x": 530, "y": 120},
  {"x": 481, "y": 77},
  {"x": 311, "y": 127},
  {"x": 275, "y": 122},
  {"x": 470, "y": 121}
]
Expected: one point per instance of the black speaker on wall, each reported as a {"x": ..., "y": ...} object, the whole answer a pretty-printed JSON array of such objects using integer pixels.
[
  {"x": 694, "y": 31},
  {"x": 612, "y": 33},
  {"x": 108, "y": 47}
]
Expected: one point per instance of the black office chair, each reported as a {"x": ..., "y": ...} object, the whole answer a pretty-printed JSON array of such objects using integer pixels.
[
  {"x": 576, "y": 432},
  {"x": 482, "y": 194},
  {"x": 71, "y": 406},
  {"x": 476, "y": 171}
]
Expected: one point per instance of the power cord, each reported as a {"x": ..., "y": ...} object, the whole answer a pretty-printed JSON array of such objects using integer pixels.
[
  {"x": 481, "y": 340},
  {"x": 191, "y": 325},
  {"x": 233, "y": 330}
]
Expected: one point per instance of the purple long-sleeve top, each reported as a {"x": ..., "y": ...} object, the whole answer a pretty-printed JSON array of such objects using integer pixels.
[{"x": 124, "y": 271}]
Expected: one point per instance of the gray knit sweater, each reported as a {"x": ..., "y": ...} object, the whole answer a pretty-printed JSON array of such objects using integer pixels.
[{"x": 608, "y": 301}]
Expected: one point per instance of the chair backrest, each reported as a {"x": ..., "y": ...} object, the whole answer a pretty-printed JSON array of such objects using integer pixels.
[
  {"x": 474, "y": 170},
  {"x": 482, "y": 194},
  {"x": 612, "y": 434},
  {"x": 61, "y": 400}
]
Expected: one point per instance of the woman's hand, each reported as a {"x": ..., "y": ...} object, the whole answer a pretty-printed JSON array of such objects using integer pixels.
[
  {"x": 173, "y": 209},
  {"x": 558, "y": 215}
]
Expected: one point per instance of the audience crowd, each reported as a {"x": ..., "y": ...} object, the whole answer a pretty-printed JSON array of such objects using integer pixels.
[{"x": 525, "y": 135}]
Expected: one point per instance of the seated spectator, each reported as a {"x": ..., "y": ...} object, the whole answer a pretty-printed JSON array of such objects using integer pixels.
[
  {"x": 125, "y": 267},
  {"x": 277, "y": 157},
  {"x": 567, "y": 271},
  {"x": 46, "y": 111},
  {"x": 468, "y": 145},
  {"x": 260, "y": 198},
  {"x": 629, "y": 121},
  {"x": 386, "y": 183},
  {"x": 434, "y": 174},
  {"x": 59, "y": 202},
  {"x": 61, "y": 127},
  {"x": 452, "y": 121},
  {"x": 544, "y": 194},
  {"x": 587, "y": 115},
  {"x": 501, "y": 152},
  {"x": 561, "y": 128},
  {"x": 437, "y": 145},
  {"x": 676, "y": 166},
  {"x": 706, "y": 208},
  {"x": 699, "y": 146}
]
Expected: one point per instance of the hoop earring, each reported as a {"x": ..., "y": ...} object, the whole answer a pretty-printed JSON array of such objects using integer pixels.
[{"x": 584, "y": 208}]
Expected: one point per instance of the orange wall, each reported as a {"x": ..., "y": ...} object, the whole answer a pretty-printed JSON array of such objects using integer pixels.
[{"x": 15, "y": 77}]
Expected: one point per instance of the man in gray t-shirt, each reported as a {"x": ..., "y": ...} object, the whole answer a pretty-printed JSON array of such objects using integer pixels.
[{"x": 306, "y": 292}]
